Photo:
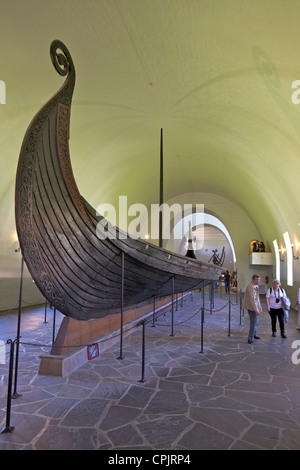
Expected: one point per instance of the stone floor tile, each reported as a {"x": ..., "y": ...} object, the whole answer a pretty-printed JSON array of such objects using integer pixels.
[
  {"x": 163, "y": 403},
  {"x": 118, "y": 416},
  {"x": 85, "y": 413},
  {"x": 62, "y": 438},
  {"x": 125, "y": 437},
  {"x": 57, "y": 408},
  {"x": 110, "y": 388},
  {"x": 163, "y": 432},
  {"x": 229, "y": 422},
  {"x": 202, "y": 437},
  {"x": 262, "y": 436},
  {"x": 261, "y": 400},
  {"x": 136, "y": 396}
]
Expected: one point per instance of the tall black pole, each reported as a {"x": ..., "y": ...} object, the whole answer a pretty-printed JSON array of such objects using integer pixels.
[
  {"x": 161, "y": 189},
  {"x": 202, "y": 321},
  {"x": 8, "y": 428},
  {"x": 53, "y": 326},
  {"x": 45, "y": 314},
  {"x": 172, "y": 333},
  {"x": 143, "y": 352},
  {"x": 122, "y": 305},
  {"x": 15, "y": 394},
  {"x": 229, "y": 314},
  {"x": 153, "y": 316}
]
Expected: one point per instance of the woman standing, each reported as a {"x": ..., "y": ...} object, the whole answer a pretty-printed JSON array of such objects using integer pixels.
[{"x": 274, "y": 297}]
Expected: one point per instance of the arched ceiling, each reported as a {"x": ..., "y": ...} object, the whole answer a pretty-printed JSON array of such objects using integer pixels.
[{"x": 216, "y": 75}]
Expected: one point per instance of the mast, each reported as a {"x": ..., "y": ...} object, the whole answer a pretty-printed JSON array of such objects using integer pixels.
[{"x": 161, "y": 189}]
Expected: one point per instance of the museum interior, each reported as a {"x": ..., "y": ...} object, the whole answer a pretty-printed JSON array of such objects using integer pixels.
[{"x": 194, "y": 104}]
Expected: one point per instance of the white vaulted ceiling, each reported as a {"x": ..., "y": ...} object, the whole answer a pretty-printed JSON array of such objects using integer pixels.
[{"x": 216, "y": 75}]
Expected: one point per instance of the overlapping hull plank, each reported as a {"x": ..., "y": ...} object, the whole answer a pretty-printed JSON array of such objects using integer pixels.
[{"x": 77, "y": 272}]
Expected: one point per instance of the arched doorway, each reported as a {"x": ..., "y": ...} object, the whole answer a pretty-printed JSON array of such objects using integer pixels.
[{"x": 208, "y": 237}]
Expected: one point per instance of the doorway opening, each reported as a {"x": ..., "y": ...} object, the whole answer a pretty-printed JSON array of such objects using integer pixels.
[{"x": 209, "y": 239}]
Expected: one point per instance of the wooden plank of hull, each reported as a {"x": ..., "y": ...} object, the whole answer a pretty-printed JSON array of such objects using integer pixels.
[{"x": 76, "y": 271}]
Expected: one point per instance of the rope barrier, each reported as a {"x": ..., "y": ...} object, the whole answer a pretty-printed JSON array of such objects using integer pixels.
[
  {"x": 37, "y": 302},
  {"x": 179, "y": 323},
  {"x": 217, "y": 310}
]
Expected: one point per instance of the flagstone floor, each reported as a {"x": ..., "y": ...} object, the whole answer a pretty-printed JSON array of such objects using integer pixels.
[{"x": 232, "y": 395}]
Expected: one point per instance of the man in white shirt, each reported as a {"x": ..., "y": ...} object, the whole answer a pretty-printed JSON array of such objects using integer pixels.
[
  {"x": 252, "y": 303},
  {"x": 274, "y": 298}
]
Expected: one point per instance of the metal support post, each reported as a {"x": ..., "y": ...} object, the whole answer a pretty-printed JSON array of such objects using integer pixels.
[
  {"x": 229, "y": 314},
  {"x": 15, "y": 394},
  {"x": 53, "y": 328},
  {"x": 8, "y": 428},
  {"x": 122, "y": 306},
  {"x": 202, "y": 322},
  {"x": 240, "y": 309},
  {"x": 161, "y": 190},
  {"x": 153, "y": 316},
  {"x": 172, "y": 333},
  {"x": 143, "y": 351},
  {"x": 45, "y": 314},
  {"x": 203, "y": 300}
]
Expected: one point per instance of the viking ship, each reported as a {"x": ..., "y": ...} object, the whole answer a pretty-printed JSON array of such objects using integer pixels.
[{"x": 81, "y": 275}]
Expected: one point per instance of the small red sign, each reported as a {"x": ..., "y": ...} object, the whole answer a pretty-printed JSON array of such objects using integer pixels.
[{"x": 93, "y": 351}]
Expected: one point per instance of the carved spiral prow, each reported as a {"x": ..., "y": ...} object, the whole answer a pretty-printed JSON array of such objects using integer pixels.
[{"x": 61, "y": 58}]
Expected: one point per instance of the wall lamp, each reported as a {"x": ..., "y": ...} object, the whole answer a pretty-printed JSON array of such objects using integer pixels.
[
  {"x": 281, "y": 254},
  {"x": 295, "y": 257}
]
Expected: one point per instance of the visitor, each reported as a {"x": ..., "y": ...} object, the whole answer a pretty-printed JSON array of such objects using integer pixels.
[
  {"x": 274, "y": 298},
  {"x": 227, "y": 282},
  {"x": 252, "y": 303}
]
